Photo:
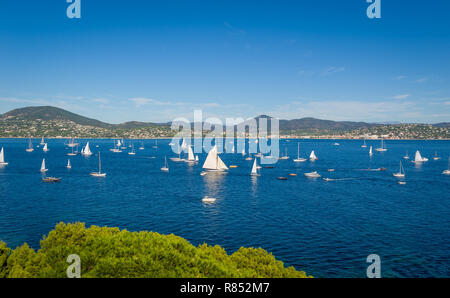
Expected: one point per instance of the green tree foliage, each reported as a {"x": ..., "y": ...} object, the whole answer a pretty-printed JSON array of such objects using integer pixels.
[{"x": 110, "y": 252}]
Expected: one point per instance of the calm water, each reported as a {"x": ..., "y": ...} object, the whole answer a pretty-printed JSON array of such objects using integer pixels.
[{"x": 325, "y": 228}]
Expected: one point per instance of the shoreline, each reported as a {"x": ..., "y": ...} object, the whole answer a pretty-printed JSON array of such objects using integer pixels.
[{"x": 281, "y": 138}]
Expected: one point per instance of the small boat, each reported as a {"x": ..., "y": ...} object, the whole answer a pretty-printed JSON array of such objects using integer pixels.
[
  {"x": 364, "y": 144},
  {"x": 331, "y": 170},
  {"x": 71, "y": 153},
  {"x": 382, "y": 148},
  {"x": 401, "y": 172},
  {"x": 436, "y": 157},
  {"x": 132, "y": 152},
  {"x": 406, "y": 156},
  {"x": 336, "y": 144},
  {"x": 292, "y": 174},
  {"x": 285, "y": 155},
  {"x": 166, "y": 165},
  {"x": 51, "y": 179},
  {"x": 196, "y": 158},
  {"x": 207, "y": 199},
  {"x": 298, "y": 159},
  {"x": 43, "y": 169},
  {"x": 254, "y": 171},
  {"x": 233, "y": 167},
  {"x": 370, "y": 151},
  {"x": 249, "y": 157},
  {"x": 99, "y": 173},
  {"x": 69, "y": 166},
  {"x": 401, "y": 182},
  {"x": 312, "y": 156},
  {"x": 447, "y": 172},
  {"x": 418, "y": 158},
  {"x": 313, "y": 175},
  {"x": 2, "y": 158},
  {"x": 203, "y": 173},
  {"x": 282, "y": 178},
  {"x": 156, "y": 144},
  {"x": 142, "y": 146},
  {"x": 328, "y": 179},
  {"x": 45, "y": 148},
  {"x": 30, "y": 146}
]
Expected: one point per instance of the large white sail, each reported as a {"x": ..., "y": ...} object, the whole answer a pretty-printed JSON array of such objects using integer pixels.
[
  {"x": 370, "y": 151},
  {"x": 2, "y": 157},
  {"x": 191, "y": 156},
  {"x": 419, "y": 158},
  {"x": 43, "y": 169},
  {"x": 254, "y": 169},
  {"x": 213, "y": 161},
  {"x": 87, "y": 150},
  {"x": 312, "y": 156}
]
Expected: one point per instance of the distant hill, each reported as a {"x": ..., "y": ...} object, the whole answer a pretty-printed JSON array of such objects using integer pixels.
[{"x": 47, "y": 113}]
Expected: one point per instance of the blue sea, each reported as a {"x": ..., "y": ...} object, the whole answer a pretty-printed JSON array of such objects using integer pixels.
[{"x": 324, "y": 228}]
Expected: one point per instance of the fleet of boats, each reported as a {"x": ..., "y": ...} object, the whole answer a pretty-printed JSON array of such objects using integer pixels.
[{"x": 213, "y": 162}]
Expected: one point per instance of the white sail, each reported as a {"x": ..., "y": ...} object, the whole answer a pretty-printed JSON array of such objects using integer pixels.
[
  {"x": 312, "y": 156},
  {"x": 2, "y": 157},
  {"x": 43, "y": 169},
  {"x": 45, "y": 149},
  {"x": 42, "y": 141},
  {"x": 213, "y": 161},
  {"x": 254, "y": 169},
  {"x": 370, "y": 151},
  {"x": 87, "y": 150},
  {"x": 119, "y": 143},
  {"x": 243, "y": 151},
  {"x": 196, "y": 158},
  {"x": 419, "y": 158},
  {"x": 191, "y": 156},
  {"x": 68, "y": 164}
]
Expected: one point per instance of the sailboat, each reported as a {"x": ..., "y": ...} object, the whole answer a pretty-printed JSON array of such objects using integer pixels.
[
  {"x": 196, "y": 158},
  {"x": 43, "y": 169},
  {"x": 370, "y": 151},
  {"x": 42, "y": 141},
  {"x": 254, "y": 169},
  {"x": 191, "y": 157},
  {"x": 45, "y": 148},
  {"x": 401, "y": 172},
  {"x": 142, "y": 146},
  {"x": 86, "y": 151},
  {"x": 298, "y": 159},
  {"x": 249, "y": 157},
  {"x": 406, "y": 155},
  {"x": 313, "y": 156},
  {"x": 436, "y": 157},
  {"x": 156, "y": 144},
  {"x": 285, "y": 154},
  {"x": 213, "y": 161},
  {"x": 383, "y": 147},
  {"x": 2, "y": 158},
  {"x": 72, "y": 143},
  {"x": 99, "y": 174},
  {"x": 447, "y": 172},
  {"x": 132, "y": 152},
  {"x": 166, "y": 165},
  {"x": 71, "y": 153},
  {"x": 69, "y": 166},
  {"x": 418, "y": 158},
  {"x": 30, "y": 146},
  {"x": 364, "y": 144},
  {"x": 243, "y": 151},
  {"x": 116, "y": 148}
]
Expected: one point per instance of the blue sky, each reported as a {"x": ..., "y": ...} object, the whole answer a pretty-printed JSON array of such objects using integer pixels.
[{"x": 157, "y": 60}]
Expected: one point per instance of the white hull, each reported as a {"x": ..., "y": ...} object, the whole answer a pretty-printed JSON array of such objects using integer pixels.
[
  {"x": 29, "y": 150},
  {"x": 165, "y": 169},
  {"x": 300, "y": 160},
  {"x": 312, "y": 175},
  {"x": 98, "y": 174},
  {"x": 446, "y": 172}
]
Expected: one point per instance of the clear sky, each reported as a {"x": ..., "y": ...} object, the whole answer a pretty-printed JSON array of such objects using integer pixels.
[{"x": 157, "y": 60}]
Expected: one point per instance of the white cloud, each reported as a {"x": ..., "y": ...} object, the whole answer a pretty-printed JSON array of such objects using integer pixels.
[
  {"x": 332, "y": 70},
  {"x": 401, "y": 96},
  {"x": 421, "y": 80}
]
